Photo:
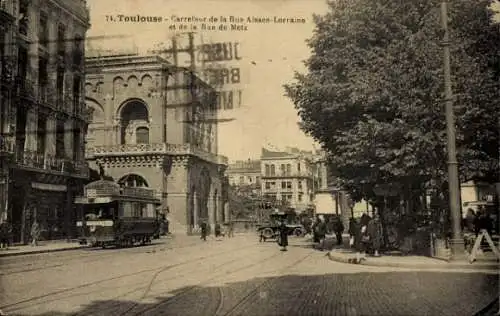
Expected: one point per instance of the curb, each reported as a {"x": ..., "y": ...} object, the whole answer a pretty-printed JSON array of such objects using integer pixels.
[
  {"x": 490, "y": 309},
  {"x": 352, "y": 260},
  {"x": 14, "y": 254}
]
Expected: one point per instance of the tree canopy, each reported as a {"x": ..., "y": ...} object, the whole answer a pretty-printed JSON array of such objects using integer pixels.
[
  {"x": 242, "y": 201},
  {"x": 373, "y": 92}
]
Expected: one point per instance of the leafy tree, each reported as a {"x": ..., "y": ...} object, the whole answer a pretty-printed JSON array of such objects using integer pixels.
[
  {"x": 373, "y": 94},
  {"x": 242, "y": 202}
]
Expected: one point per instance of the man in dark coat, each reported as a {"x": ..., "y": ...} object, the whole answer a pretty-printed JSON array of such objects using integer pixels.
[
  {"x": 217, "y": 230},
  {"x": 338, "y": 228},
  {"x": 5, "y": 234},
  {"x": 374, "y": 229},
  {"x": 283, "y": 242},
  {"x": 321, "y": 233},
  {"x": 204, "y": 230},
  {"x": 315, "y": 228}
]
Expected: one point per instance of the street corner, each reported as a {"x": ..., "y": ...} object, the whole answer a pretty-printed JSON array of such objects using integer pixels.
[
  {"x": 343, "y": 256},
  {"x": 411, "y": 262}
]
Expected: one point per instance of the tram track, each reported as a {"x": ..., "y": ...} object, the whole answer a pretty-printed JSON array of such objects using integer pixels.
[
  {"x": 179, "y": 295},
  {"x": 94, "y": 255},
  {"x": 147, "y": 289},
  {"x": 42, "y": 299},
  {"x": 182, "y": 294},
  {"x": 254, "y": 291}
]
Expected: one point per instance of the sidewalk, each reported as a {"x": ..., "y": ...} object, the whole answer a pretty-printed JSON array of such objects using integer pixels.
[
  {"x": 63, "y": 245},
  {"x": 43, "y": 247},
  {"x": 483, "y": 263},
  {"x": 54, "y": 246}
]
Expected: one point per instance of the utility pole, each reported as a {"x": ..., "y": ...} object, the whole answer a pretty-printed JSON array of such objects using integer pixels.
[{"x": 457, "y": 242}]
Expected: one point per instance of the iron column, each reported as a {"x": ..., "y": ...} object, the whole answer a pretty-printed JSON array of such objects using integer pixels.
[{"x": 457, "y": 242}]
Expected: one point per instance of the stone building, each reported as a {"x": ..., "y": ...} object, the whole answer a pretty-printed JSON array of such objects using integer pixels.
[
  {"x": 288, "y": 176},
  {"x": 244, "y": 173},
  {"x": 42, "y": 118},
  {"x": 153, "y": 125}
]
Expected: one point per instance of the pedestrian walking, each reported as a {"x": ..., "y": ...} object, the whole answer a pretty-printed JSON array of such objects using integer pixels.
[
  {"x": 217, "y": 230},
  {"x": 283, "y": 241},
  {"x": 231, "y": 229},
  {"x": 352, "y": 231},
  {"x": 204, "y": 230},
  {"x": 3, "y": 235},
  {"x": 166, "y": 224},
  {"x": 363, "y": 238},
  {"x": 376, "y": 236},
  {"x": 469, "y": 229},
  {"x": 338, "y": 228},
  {"x": 35, "y": 233},
  {"x": 315, "y": 225},
  {"x": 320, "y": 231}
]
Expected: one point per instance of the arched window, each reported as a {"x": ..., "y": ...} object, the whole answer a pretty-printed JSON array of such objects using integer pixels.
[
  {"x": 142, "y": 135},
  {"x": 132, "y": 180},
  {"x": 133, "y": 110}
]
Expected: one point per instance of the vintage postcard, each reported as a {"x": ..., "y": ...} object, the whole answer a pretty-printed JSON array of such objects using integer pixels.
[{"x": 249, "y": 157}]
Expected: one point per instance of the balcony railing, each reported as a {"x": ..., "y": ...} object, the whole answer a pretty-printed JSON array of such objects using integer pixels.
[
  {"x": 293, "y": 174},
  {"x": 7, "y": 74},
  {"x": 47, "y": 95},
  {"x": 156, "y": 148},
  {"x": 26, "y": 87},
  {"x": 7, "y": 145},
  {"x": 4, "y": 5},
  {"x": 67, "y": 104},
  {"x": 140, "y": 192},
  {"x": 35, "y": 160},
  {"x": 6, "y": 10}
]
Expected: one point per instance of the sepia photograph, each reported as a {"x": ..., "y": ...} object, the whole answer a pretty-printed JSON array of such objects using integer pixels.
[{"x": 249, "y": 157}]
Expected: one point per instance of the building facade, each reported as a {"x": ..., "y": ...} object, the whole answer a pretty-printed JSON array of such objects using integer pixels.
[
  {"x": 244, "y": 173},
  {"x": 43, "y": 120},
  {"x": 151, "y": 126},
  {"x": 288, "y": 176}
]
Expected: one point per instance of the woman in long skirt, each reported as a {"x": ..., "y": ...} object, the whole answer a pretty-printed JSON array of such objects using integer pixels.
[{"x": 283, "y": 236}]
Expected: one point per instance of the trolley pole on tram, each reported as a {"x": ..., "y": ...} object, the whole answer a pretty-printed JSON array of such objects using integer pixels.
[{"x": 457, "y": 242}]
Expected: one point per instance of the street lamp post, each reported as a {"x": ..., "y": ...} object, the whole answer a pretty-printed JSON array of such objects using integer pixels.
[{"x": 457, "y": 242}]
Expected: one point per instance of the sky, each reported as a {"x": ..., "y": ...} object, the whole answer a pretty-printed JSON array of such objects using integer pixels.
[{"x": 270, "y": 53}]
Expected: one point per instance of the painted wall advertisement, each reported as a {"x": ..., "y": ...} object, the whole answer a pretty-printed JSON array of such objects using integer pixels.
[{"x": 219, "y": 63}]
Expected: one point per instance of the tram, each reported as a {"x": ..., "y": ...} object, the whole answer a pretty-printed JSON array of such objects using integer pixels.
[{"x": 117, "y": 216}]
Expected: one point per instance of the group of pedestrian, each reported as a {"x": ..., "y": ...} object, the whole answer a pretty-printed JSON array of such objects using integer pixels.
[
  {"x": 366, "y": 236},
  {"x": 204, "y": 230},
  {"x": 6, "y": 234},
  {"x": 320, "y": 228}
]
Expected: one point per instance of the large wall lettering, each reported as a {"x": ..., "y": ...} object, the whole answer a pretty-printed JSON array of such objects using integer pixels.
[{"x": 218, "y": 65}]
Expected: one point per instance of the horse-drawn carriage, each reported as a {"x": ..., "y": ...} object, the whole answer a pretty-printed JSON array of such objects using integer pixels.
[{"x": 271, "y": 228}]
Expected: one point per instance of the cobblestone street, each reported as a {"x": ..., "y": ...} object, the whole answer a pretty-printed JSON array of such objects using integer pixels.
[{"x": 232, "y": 277}]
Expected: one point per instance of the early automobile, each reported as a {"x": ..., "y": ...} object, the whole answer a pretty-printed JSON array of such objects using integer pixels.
[{"x": 270, "y": 229}]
